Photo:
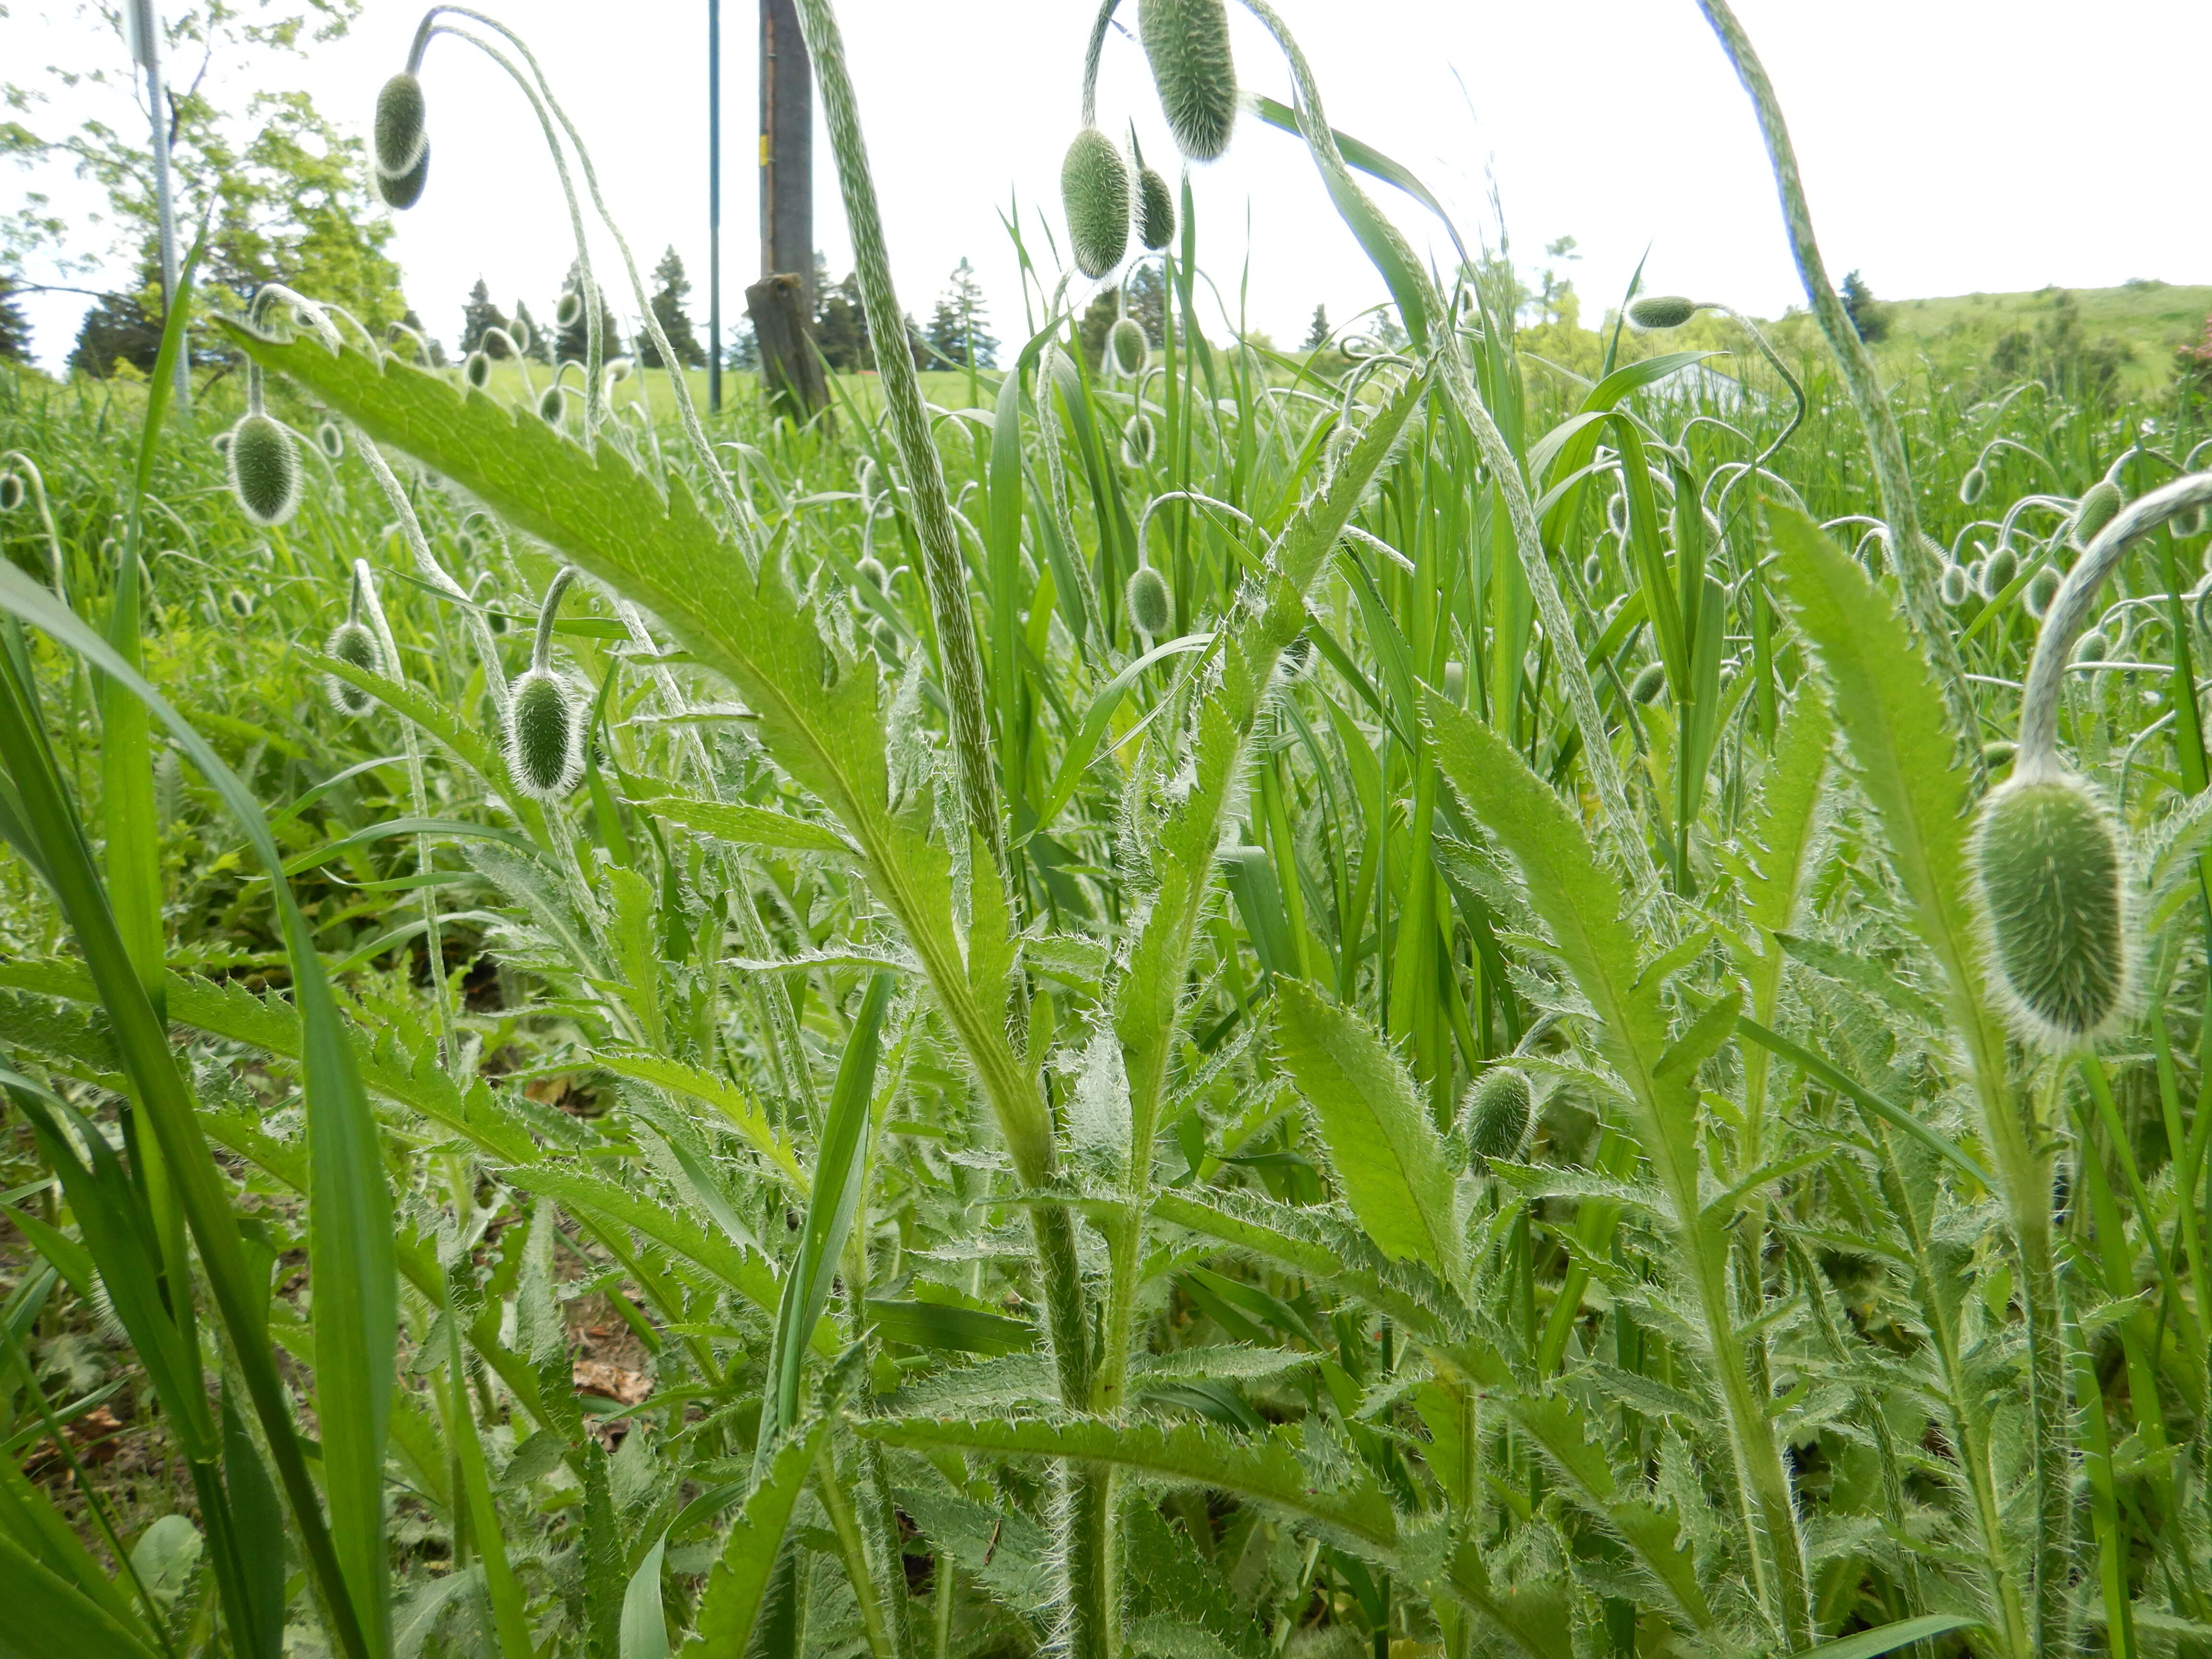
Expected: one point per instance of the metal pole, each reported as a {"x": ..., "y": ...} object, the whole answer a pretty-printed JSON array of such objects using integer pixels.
[
  {"x": 146, "y": 48},
  {"x": 714, "y": 206}
]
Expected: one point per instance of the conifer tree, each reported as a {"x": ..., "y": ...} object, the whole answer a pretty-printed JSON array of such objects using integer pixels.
[
  {"x": 673, "y": 288},
  {"x": 958, "y": 332},
  {"x": 1318, "y": 333},
  {"x": 479, "y": 315}
]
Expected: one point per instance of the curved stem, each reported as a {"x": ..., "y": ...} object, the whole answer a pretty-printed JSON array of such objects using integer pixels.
[{"x": 548, "y": 612}]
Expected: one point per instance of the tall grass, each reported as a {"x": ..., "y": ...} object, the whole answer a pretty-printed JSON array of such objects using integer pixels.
[{"x": 1006, "y": 1086}]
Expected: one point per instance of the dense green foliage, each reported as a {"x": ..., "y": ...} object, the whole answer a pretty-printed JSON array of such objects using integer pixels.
[{"x": 1210, "y": 1009}]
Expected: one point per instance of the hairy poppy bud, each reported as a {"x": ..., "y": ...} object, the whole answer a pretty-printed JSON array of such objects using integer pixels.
[
  {"x": 264, "y": 470},
  {"x": 1658, "y": 311},
  {"x": 476, "y": 369},
  {"x": 1186, "y": 43},
  {"x": 1999, "y": 753},
  {"x": 544, "y": 745},
  {"x": 404, "y": 191},
  {"x": 401, "y": 134},
  {"x": 1972, "y": 486},
  {"x": 1647, "y": 683},
  {"x": 2092, "y": 646},
  {"x": 1151, "y": 607},
  {"x": 2042, "y": 588},
  {"x": 1954, "y": 586},
  {"x": 351, "y": 642},
  {"x": 2094, "y": 511},
  {"x": 1137, "y": 439},
  {"x": 568, "y": 310},
  {"x": 2000, "y": 572},
  {"x": 1094, "y": 193},
  {"x": 329, "y": 440},
  {"x": 871, "y": 570},
  {"x": 551, "y": 405},
  {"x": 1156, "y": 213},
  {"x": 1496, "y": 1115},
  {"x": 1131, "y": 350},
  {"x": 11, "y": 491},
  {"x": 1593, "y": 571},
  {"x": 2049, "y": 862}
]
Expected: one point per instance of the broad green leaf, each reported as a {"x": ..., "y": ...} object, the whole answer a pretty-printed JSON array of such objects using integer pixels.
[
  {"x": 1887, "y": 1638},
  {"x": 1385, "y": 1151},
  {"x": 1270, "y": 1470},
  {"x": 46, "y": 1617},
  {"x": 951, "y": 1329},
  {"x": 644, "y": 1625},
  {"x": 747, "y": 826},
  {"x": 732, "y": 1601}
]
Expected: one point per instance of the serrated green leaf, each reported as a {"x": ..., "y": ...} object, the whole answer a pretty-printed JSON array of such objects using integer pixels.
[{"x": 732, "y": 1601}]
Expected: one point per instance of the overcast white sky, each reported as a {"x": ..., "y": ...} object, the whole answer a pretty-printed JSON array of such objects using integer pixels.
[{"x": 1948, "y": 146}]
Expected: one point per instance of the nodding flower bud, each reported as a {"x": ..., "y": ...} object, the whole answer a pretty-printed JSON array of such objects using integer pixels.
[
  {"x": 2049, "y": 862},
  {"x": 1186, "y": 43},
  {"x": 1137, "y": 439},
  {"x": 1151, "y": 607},
  {"x": 1647, "y": 683},
  {"x": 1156, "y": 213},
  {"x": 352, "y": 643},
  {"x": 568, "y": 310},
  {"x": 886, "y": 638},
  {"x": 1496, "y": 1117},
  {"x": 11, "y": 491},
  {"x": 1999, "y": 753},
  {"x": 870, "y": 570},
  {"x": 1660, "y": 310},
  {"x": 544, "y": 741},
  {"x": 403, "y": 190},
  {"x": 329, "y": 440},
  {"x": 519, "y": 332},
  {"x": 1131, "y": 350},
  {"x": 1972, "y": 486},
  {"x": 2042, "y": 588},
  {"x": 2092, "y": 646},
  {"x": 1954, "y": 586},
  {"x": 476, "y": 369},
  {"x": 219, "y": 443},
  {"x": 2000, "y": 572},
  {"x": 551, "y": 405},
  {"x": 240, "y": 601},
  {"x": 264, "y": 470},
  {"x": 401, "y": 134},
  {"x": 2184, "y": 524},
  {"x": 1094, "y": 193},
  {"x": 1593, "y": 571},
  {"x": 2094, "y": 511}
]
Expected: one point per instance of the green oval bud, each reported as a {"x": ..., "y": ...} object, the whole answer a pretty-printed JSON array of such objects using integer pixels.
[
  {"x": 2092, "y": 646},
  {"x": 240, "y": 601},
  {"x": 568, "y": 310},
  {"x": 519, "y": 332},
  {"x": 1593, "y": 571},
  {"x": 2042, "y": 588},
  {"x": 2094, "y": 511},
  {"x": 351, "y": 642},
  {"x": 1094, "y": 193},
  {"x": 1156, "y": 213},
  {"x": 544, "y": 747},
  {"x": 403, "y": 191},
  {"x": 1650, "y": 679},
  {"x": 1954, "y": 586},
  {"x": 1127, "y": 345},
  {"x": 1661, "y": 311},
  {"x": 11, "y": 491},
  {"x": 329, "y": 440},
  {"x": 2050, "y": 868},
  {"x": 476, "y": 369},
  {"x": 219, "y": 443},
  {"x": 552, "y": 407},
  {"x": 887, "y": 640},
  {"x": 2000, "y": 572},
  {"x": 400, "y": 128},
  {"x": 264, "y": 470},
  {"x": 1496, "y": 1118},
  {"x": 1972, "y": 486},
  {"x": 1186, "y": 43},
  {"x": 1137, "y": 439},
  {"x": 871, "y": 570},
  {"x": 1999, "y": 753},
  {"x": 2187, "y": 523},
  {"x": 1151, "y": 607}
]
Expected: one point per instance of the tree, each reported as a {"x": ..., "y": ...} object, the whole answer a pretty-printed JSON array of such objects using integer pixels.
[
  {"x": 1317, "y": 332},
  {"x": 14, "y": 327},
  {"x": 744, "y": 352},
  {"x": 574, "y": 344},
  {"x": 675, "y": 287},
  {"x": 958, "y": 333},
  {"x": 840, "y": 324},
  {"x": 478, "y": 318},
  {"x": 1148, "y": 289},
  {"x": 1868, "y": 316},
  {"x": 540, "y": 350},
  {"x": 118, "y": 329}
]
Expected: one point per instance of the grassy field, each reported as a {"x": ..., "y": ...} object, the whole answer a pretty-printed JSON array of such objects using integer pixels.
[{"x": 1448, "y": 1009}]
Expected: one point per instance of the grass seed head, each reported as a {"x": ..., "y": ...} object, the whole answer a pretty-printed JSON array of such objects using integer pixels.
[
  {"x": 2048, "y": 859},
  {"x": 352, "y": 642},
  {"x": 403, "y": 191},
  {"x": 1094, "y": 192},
  {"x": 544, "y": 743},
  {"x": 2094, "y": 511},
  {"x": 1132, "y": 350},
  {"x": 1496, "y": 1117},
  {"x": 1187, "y": 42},
  {"x": 1647, "y": 683},
  {"x": 1661, "y": 311},
  {"x": 1156, "y": 213},
  {"x": 402, "y": 135},
  {"x": 264, "y": 470},
  {"x": 1151, "y": 607}
]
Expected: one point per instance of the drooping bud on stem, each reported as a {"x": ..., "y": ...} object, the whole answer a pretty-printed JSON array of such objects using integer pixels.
[
  {"x": 1151, "y": 605},
  {"x": 1094, "y": 191},
  {"x": 1661, "y": 311},
  {"x": 264, "y": 470},
  {"x": 1186, "y": 43},
  {"x": 1156, "y": 213},
  {"x": 2048, "y": 859},
  {"x": 1496, "y": 1117},
  {"x": 1129, "y": 348}
]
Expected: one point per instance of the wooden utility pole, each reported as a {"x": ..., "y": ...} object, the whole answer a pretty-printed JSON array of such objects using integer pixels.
[
  {"x": 714, "y": 207},
  {"x": 782, "y": 303}
]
